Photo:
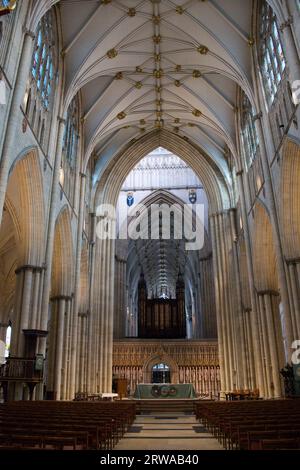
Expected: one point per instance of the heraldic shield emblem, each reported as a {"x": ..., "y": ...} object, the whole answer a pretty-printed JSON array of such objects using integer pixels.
[
  {"x": 192, "y": 196},
  {"x": 130, "y": 199}
]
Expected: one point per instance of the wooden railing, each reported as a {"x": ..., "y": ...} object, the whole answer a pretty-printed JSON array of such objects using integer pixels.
[{"x": 22, "y": 369}]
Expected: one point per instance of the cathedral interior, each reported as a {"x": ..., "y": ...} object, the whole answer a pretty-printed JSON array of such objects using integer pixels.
[{"x": 119, "y": 121}]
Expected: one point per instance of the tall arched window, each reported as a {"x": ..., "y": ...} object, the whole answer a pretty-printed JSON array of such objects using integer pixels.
[
  {"x": 70, "y": 143},
  {"x": 39, "y": 96},
  {"x": 44, "y": 59},
  {"x": 271, "y": 56},
  {"x": 249, "y": 134},
  {"x": 70, "y": 149}
]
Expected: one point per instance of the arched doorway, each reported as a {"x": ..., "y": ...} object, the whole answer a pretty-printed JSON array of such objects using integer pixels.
[{"x": 161, "y": 374}]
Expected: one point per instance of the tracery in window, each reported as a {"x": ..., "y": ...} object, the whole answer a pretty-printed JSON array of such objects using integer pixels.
[
  {"x": 271, "y": 55},
  {"x": 43, "y": 61},
  {"x": 70, "y": 149},
  {"x": 40, "y": 92},
  {"x": 249, "y": 134},
  {"x": 70, "y": 143}
]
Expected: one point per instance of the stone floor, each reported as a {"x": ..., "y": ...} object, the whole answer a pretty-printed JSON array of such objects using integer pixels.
[{"x": 168, "y": 431}]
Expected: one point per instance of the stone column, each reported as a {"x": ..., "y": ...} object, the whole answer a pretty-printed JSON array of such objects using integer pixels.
[
  {"x": 240, "y": 351},
  {"x": 254, "y": 313},
  {"x": 14, "y": 113},
  {"x": 109, "y": 315},
  {"x": 92, "y": 312},
  {"x": 66, "y": 351},
  {"x": 276, "y": 236},
  {"x": 51, "y": 230},
  {"x": 59, "y": 346},
  {"x": 77, "y": 288},
  {"x": 273, "y": 346},
  {"x": 249, "y": 348},
  {"x": 33, "y": 324},
  {"x": 265, "y": 345},
  {"x": 26, "y": 305},
  {"x": 226, "y": 305},
  {"x": 295, "y": 298},
  {"x": 221, "y": 345}
]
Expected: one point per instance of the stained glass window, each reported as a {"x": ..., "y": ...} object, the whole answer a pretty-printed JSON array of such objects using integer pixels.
[
  {"x": 249, "y": 135},
  {"x": 43, "y": 61},
  {"x": 71, "y": 133},
  {"x": 272, "y": 60}
]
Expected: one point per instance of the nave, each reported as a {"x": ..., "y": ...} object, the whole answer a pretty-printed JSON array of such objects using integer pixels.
[{"x": 149, "y": 219}]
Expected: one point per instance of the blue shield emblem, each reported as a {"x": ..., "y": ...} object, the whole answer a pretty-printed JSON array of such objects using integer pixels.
[
  {"x": 130, "y": 199},
  {"x": 192, "y": 196}
]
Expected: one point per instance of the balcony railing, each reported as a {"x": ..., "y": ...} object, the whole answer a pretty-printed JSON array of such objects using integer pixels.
[{"x": 21, "y": 369}]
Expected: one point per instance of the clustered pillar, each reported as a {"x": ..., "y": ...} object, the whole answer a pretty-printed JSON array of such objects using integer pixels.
[
  {"x": 59, "y": 352},
  {"x": 101, "y": 327}
]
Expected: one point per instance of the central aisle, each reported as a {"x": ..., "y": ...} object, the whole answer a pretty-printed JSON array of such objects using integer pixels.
[{"x": 168, "y": 431}]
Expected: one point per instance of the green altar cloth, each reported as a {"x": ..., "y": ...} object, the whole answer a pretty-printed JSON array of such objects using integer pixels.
[{"x": 164, "y": 391}]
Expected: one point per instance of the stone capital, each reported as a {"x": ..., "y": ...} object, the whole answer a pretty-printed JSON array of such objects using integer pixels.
[
  {"x": 257, "y": 116},
  {"x": 28, "y": 32},
  {"x": 61, "y": 120},
  {"x": 286, "y": 23}
]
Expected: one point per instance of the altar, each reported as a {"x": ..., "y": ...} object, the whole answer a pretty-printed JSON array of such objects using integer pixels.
[{"x": 171, "y": 391}]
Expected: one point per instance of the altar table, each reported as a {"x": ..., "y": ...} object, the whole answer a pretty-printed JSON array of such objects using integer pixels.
[{"x": 155, "y": 391}]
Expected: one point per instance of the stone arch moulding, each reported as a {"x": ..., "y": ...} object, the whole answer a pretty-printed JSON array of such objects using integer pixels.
[
  {"x": 265, "y": 260},
  {"x": 289, "y": 202},
  {"x": 25, "y": 201},
  {"x": 63, "y": 255},
  {"x": 157, "y": 358},
  {"x": 116, "y": 171}
]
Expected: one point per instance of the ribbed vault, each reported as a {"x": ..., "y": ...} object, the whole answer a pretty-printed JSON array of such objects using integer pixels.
[
  {"x": 161, "y": 260},
  {"x": 141, "y": 65}
]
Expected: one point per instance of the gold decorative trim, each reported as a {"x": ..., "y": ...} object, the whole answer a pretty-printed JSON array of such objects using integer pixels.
[
  {"x": 112, "y": 53},
  {"x": 156, "y": 19},
  {"x": 121, "y": 115},
  {"x": 131, "y": 12},
  {"x": 196, "y": 112},
  {"x": 158, "y": 73},
  {"x": 202, "y": 49},
  {"x": 196, "y": 73}
]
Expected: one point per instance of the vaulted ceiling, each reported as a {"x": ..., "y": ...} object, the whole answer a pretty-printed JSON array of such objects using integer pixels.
[{"x": 151, "y": 64}]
